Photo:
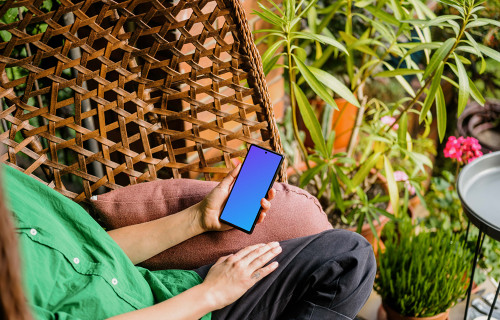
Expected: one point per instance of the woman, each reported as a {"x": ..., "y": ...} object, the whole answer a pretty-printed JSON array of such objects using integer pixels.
[{"x": 72, "y": 269}]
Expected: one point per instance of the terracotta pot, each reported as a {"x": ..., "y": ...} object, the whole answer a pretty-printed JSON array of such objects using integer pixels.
[
  {"x": 343, "y": 123},
  {"x": 386, "y": 313}
]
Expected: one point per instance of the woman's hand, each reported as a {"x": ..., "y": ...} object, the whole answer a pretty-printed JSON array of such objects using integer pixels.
[
  {"x": 231, "y": 276},
  {"x": 210, "y": 208}
]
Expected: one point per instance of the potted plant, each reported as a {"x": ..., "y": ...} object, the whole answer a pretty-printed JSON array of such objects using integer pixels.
[
  {"x": 374, "y": 42},
  {"x": 420, "y": 275}
]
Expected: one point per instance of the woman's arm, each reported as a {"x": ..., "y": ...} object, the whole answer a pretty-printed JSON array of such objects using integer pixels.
[
  {"x": 228, "y": 279},
  {"x": 143, "y": 241}
]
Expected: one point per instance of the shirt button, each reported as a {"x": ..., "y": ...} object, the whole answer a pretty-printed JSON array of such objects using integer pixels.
[
  {"x": 76, "y": 260},
  {"x": 114, "y": 281},
  {"x": 33, "y": 232}
]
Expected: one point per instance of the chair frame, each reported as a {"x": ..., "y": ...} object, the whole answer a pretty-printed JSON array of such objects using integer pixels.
[{"x": 154, "y": 90}]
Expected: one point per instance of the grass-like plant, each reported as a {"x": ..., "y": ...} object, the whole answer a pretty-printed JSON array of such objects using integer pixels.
[{"x": 421, "y": 274}]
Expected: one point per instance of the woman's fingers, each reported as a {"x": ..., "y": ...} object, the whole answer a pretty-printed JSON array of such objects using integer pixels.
[
  {"x": 262, "y": 216},
  {"x": 264, "y": 253},
  {"x": 260, "y": 260},
  {"x": 266, "y": 205},
  {"x": 263, "y": 272},
  {"x": 271, "y": 194},
  {"x": 225, "y": 184}
]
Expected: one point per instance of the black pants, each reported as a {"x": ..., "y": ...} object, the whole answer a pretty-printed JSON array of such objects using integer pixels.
[{"x": 325, "y": 276}]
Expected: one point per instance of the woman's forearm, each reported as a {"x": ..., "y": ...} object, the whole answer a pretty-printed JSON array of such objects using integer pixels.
[
  {"x": 142, "y": 241},
  {"x": 191, "y": 304}
]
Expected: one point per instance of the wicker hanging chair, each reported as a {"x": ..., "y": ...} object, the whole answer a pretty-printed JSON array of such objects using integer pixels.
[{"x": 99, "y": 94}]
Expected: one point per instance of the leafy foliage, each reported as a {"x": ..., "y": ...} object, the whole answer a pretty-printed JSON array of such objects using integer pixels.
[
  {"x": 424, "y": 274},
  {"x": 371, "y": 40}
]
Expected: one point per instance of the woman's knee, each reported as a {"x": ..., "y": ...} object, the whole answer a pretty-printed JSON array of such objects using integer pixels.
[{"x": 345, "y": 243}]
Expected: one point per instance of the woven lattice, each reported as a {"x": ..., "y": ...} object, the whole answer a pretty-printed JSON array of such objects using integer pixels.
[{"x": 95, "y": 95}]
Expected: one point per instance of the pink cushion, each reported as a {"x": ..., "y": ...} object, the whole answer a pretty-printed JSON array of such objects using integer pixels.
[{"x": 294, "y": 213}]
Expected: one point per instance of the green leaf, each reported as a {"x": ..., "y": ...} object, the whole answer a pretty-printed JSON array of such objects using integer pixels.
[
  {"x": 306, "y": 9},
  {"x": 438, "y": 57},
  {"x": 289, "y": 9},
  {"x": 10, "y": 16},
  {"x": 312, "y": 19},
  {"x": 392, "y": 186},
  {"x": 397, "y": 9},
  {"x": 299, "y": 52},
  {"x": 474, "y": 92},
  {"x": 398, "y": 72},
  {"x": 441, "y": 113},
  {"x": 269, "y": 65},
  {"x": 473, "y": 43},
  {"x": 431, "y": 95},
  {"x": 476, "y": 23},
  {"x": 403, "y": 128},
  {"x": 433, "y": 22},
  {"x": 310, "y": 120},
  {"x": 320, "y": 38},
  {"x": 310, "y": 173},
  {"x": 271, "y": 18},
  {"x": 365, "y": 169},
  {"x": 313, "y": 82},
  {"x": 326, "y": 123},
  {"x": 464, "y": 90},
  {"x": 383, "y": 16},
  {"x": 47, "y": 5},
  {"x": 331, "y": 140},
  {"x": 277, "y": 7},
  {"x": 5, "y": 35},
  {"x": 490, "y": 21},
  {"x": 334, "y": 84},
  {"x": 492, "y": 53},
  {"x": 335, "y": 186},
  {"x": 271, "y": 51}
]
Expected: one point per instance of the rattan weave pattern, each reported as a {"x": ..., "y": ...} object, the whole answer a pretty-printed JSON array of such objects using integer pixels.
[{"x": 109, "y": 93}]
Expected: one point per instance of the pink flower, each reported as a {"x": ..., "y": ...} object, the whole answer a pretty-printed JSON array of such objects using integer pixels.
[
  {"x": 463, "y": 150},
  {"x": 402, "y": 176},
  {"x": 388, "y": 120}
]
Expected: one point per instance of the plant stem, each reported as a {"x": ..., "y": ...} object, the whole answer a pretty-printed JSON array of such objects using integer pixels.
[{"x": 291, "y": 78}]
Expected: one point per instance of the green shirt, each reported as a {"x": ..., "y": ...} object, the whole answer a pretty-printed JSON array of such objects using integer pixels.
[{"x": 72, "y": 269}]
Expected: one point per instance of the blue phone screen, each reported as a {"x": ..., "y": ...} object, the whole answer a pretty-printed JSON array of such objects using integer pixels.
[{"x": 251, "y": 186}]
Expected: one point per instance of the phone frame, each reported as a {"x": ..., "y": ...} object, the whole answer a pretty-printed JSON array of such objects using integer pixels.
[{"x": 268, "y": 188}]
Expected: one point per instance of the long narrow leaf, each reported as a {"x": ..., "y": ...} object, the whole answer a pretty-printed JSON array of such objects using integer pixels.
[
  {"x": 492, "y": 53},
  {"x": 271, "y": 51},
  {"x": 398, "y": 72},
  {"x": 403, "y": 127},
  {"x": 464, "y": 90},
  {"x": 441, "y": 113},
  {"x": 334, "y": 84},
  {"x": 313, "y": 82},
  {"x": 310, "y": 120},
  {"x": 476, "y": 95},
  {"x": 270, "y": 64},
  {"x": 320, "y": 38},
  {"x": 438, "y": 57},
  {"x": 310, "y": 173},
  {"x": 431, "y": 95},
  {"x": 365, "y": 169}
]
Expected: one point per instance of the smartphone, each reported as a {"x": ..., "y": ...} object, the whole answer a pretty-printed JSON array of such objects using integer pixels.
[{"x": 253, "y": 182}]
